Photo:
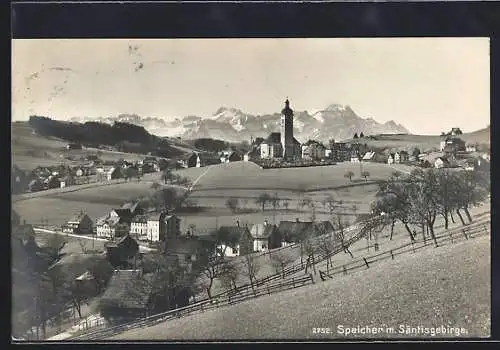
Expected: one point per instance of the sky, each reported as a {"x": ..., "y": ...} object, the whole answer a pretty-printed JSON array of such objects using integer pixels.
[{"x": 426, "y": 84}]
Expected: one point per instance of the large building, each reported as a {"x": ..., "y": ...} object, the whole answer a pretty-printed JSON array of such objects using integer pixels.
[{"x": 282, "y": 144}]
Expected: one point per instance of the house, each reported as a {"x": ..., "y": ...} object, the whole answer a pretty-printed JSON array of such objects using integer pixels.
[
  {"x": 271, "y": 147},
  {"x": 134, "y": 207},
  {"x": 201, "y": 159},
  {"x": 66, "y": 181},
  {"x": 35, "y": 185},
  {"x": 139, "y": 227},
  {"x": 121, "y": 250},
  {"x": 52, "y": 182},
  {"x": 73, "y": 146},
  {"x": 340, "y": 151},
  {"x": 355, "y": 157},
  {"x": 190, "y": 250},
  {"x": 452, "y": 145},
  {"x": 114, "y": 173},
  {"x": 401, "y": 157},
  {"x": 80, "y": 224},
  {"x": 368, "y": 156},
  {"x": 441, "y": 162},
  {"x": 128, "y": 296},
  {"x": 106, "y": 226},
  {"x": 161, "y": 226},
  {"x": 471, "y": 148},
  {"x": 265, "y": 237},
  {"x": 313, "y": 150},
  {"x": 390, "y": 158},
  {"x": 240, "y": 241},
  {"x": 295, "y": 231},
  {"x": 233, "y": 157}
]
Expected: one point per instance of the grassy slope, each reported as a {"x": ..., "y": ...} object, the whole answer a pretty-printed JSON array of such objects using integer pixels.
[
  {"x": 447, "y": 286},
  {"x": 30, "y": 150},
  {"x": 423, "y": 142}
]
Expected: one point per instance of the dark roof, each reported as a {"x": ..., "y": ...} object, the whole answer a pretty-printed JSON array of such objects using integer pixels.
[
  {"x": 235, "y": 232},
  {"x": 132, "y": 206},
  {"x": 274, "y": 137},
  {"x": 74, "y": 265},
  {"x": 293, "y": 229},
  {"x": 123, "y": 213},
  {"x": 129, "y": 289},
  {"x": 77, "y": 218},
  {"x": 187, "y": 244},
  {"x": 120, "y": 241},
  {"x": 140, "y": 218}
]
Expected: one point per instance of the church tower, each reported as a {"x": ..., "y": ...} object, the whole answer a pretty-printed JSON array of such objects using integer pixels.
[{"x": 287, "y": 131}]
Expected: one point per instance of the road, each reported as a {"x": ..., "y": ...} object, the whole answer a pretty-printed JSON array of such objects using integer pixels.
[{"x": 143, "y": 248}]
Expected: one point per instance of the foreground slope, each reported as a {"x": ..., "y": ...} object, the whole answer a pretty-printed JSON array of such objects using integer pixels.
[{"x": 447, "y": 286}]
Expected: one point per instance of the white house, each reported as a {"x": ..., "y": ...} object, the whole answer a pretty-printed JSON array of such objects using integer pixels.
[
  {"x": 153, "y": 227},
  {"x": 470, "y": 148},
  {"x": 441, "y": 162},
  {"x": 368, "y": 156},
  {"x": 328, "y": 153},
  {"x": 106, "y": 226},
  {"x": 390, "y": 159},
  {"x": 355, "y": 158},
  {"x": 139, "y": 227}
]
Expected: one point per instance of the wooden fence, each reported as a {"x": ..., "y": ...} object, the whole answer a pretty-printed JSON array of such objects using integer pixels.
[
  {"x": 452, "y": 236},
  {"x": 201, "y": 306}
]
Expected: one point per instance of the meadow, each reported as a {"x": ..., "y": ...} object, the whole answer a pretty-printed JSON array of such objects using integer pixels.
[{"x": 419, "y": 289}]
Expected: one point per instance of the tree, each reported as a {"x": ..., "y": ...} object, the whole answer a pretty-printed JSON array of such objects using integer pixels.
[
  {"x": 361, "y": 135},
  {"x": 327, "y": 246},
  {"x": 416, "y": 152},
  {"x": 365, "y": 174},
  {"x": 155, "y": 186},
  {"x": 285, "y": 204},
  {"x": 348, "y": 175},
  {"x": 355, "y": 135},
  {"x": 310, "y": 249},
  {"x": 251, "y": 269},
  {"x": 279, "y": 260},
  {"x": 131, "y": 172},
  {"x": 232, "y": 204},
  {"x": 340, "y": 226},
  {"x": 54, "y": 247},
  {"x": 101, "y": 270},
  {"x": 275, "y": 203},
  {"x": 263, "y": 199},
  {"x": 228, "y": 275}
]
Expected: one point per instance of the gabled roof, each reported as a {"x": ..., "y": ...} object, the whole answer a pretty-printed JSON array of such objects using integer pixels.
[
  {"x": 132, "y": 206},
  {"x": 235, "y": 232},
  {"x": 156, "y": 216},
  {"x": 77, "y": 218},
  {"x": 129, "y": 289},
  {"x": 274, "y": 137},
  {"x": 140, "y": 219},
  {"x": 294, "y": 229},
  {"x": 262, "y": 230},
  {"x": 110, "y": 170},
  {"x": 123, "y": 213},
  {"x": 369, "y": 155},
  {"x": 119, "y": 241}
]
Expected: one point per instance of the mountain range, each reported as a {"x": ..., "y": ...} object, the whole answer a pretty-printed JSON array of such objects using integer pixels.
[{"x": 231, "y": 124}]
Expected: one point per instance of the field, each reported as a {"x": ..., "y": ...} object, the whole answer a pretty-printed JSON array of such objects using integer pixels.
[{"x": 214, "y": 185}]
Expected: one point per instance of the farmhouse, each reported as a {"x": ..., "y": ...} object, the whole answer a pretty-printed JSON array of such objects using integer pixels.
[
  {"x": 441, "y": 162},
  {"x": 313, "y": 150},
  {"x": 295, "y": 231},
  {"x": 401, "y": 157},
  {"x": 340, "y": 151},
  {"x": 80, "y": 224},
  {"x": 106, "y": 226},
  {"x": 265, "y": 237},
  {"x": 189, "y": 250},
  {"x": 390, "y": 158},
  {"x": 134, "y": 207},
  {"x": 121, "y": 251},
  {"x": 128, "y": 295},
  {"x": 114, "y": 173},
  {"x": 241, "y": 241}
]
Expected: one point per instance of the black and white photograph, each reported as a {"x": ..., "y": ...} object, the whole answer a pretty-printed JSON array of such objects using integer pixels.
[{"x": 250, "y": 189}]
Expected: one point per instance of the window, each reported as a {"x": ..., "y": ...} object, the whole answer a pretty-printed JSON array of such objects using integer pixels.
[
  {"x": 264, "y": 246},
  {"x": 235, "y": 251}
]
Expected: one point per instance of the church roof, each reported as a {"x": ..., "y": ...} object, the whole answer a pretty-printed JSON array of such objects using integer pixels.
[{"x": 274, "y": 137}]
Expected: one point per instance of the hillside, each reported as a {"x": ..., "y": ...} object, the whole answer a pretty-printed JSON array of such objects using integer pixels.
[
  {"x": 447, "y": 286},
  {"x": 423, "y": 142},
  {"x": 31, "y": 149},
  {"x": 233, "y": 125}
]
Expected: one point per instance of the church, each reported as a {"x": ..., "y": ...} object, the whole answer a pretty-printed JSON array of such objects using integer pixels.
[{"x": 282, "y": 144}]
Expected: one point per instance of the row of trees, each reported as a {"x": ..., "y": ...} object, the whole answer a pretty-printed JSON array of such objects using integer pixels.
[{"x": 418, "y": 198}]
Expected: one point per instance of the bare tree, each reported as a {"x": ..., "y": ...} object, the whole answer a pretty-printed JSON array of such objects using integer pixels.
[
  {"x": 262, "y": 200},
  {"x": 366, "y": 175},
  {"x": 349, "y": 175},
  {"x": 327, "y": 246},
  {"x": 279, "y": 260},
  {"x": 251, "y": 269},
  {"x": 54, "y": 246},
  {"x": 310, "y": 248},
  {"x": 340, "y": 226},
  {"x": 228, "y": 275},
  {"x": 232, "y": 204},
  {"x": 275, "y": 203}
]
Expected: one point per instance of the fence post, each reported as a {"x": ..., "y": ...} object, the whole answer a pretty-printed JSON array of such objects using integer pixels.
[
  {"x": 413, "y": 246},
  {"x": 268, "y": 291},
  {"x": 345, "y": 271},
  {"x": 465, "y": 234},
  {"x": 392, "y": 255},
  {"x": 485, "y": 228},
  {"x": 293, "y": 281},
  {"x": 366, "y": 262},
  {"x": 312, "y": 278},
  {"x": 451, "y": 237}
]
